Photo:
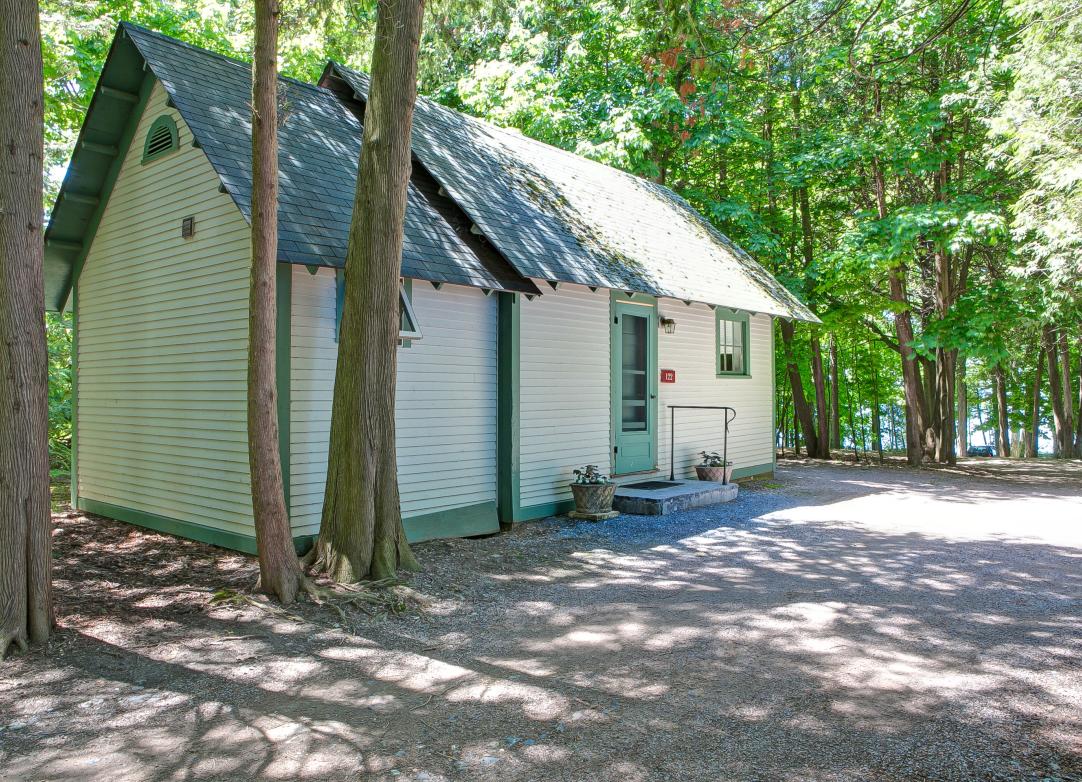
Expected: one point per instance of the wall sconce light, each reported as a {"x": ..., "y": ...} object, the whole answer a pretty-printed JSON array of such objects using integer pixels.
[{"x": 669, "y": 325}]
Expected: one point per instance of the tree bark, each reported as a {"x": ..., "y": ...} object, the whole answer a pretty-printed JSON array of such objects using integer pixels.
[
  {"x": 1034, "y": 435},
  {"x": 962, "y": 399},
  {"x": 915, "y": 416},
  {"x": 279, "y": 570},
  {"x": 1078, "y": 411},
  {"x": 819, "y": 381},
  {"x": 1061, "y": 434},
  {"x": 1068, "y": 394},
  {"x": 26, "y": 607},
  {"x": 835, "y": 416},
  {"x": 1003, "y": 425},
  {"x": 801, "y": 410},
  {"x": 362, "y": 533}
]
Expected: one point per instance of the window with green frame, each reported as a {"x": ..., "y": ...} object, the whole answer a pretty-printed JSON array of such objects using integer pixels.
[
  {"x": 408, "y": 326},
  {"x": 731, "y": 335},
  {"x": 161, "y": 139}
]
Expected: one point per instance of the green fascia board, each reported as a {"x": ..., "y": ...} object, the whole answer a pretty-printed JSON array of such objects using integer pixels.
[
  {"x": 508, "y": 422},
  {"x": 480, "y": 519},
  {"x": 103, "y": 144},
  {"x": 753, "y": 471},
  {"x": 544, "y": 510},
  {"x": 184, "y": 529},
  {"x": 477, "y": 519}
]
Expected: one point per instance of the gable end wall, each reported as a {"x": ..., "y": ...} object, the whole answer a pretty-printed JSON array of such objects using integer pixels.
[{"x": 162, "y": 345}]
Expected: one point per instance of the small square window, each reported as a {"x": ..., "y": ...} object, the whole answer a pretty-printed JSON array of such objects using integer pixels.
[{"x": 187, "y": 227}]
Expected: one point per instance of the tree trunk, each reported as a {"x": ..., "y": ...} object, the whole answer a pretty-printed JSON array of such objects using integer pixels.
[
  {"x": 279, "y": 570},
  {"x": 362, "y": 533},
  {"x": 1034, "y": 435},
  {"x": 801, "y": 409},
  {"x": 1068, "y": 395},
  {"x": 1062, "y": 434},
  {"x": 1078, "y": 411},
  {"x": 961, "y": 429},
  {"x": 819, "y": 381},
  {"x": 26, "y": 607},
  {"x": 835, "y": 415},
  {"x": 1003, "y": 425},
  {"x": 914, "y": 392}
]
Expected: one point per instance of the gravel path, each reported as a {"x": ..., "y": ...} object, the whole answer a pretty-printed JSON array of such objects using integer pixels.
[{"x": 838, "y": 623}]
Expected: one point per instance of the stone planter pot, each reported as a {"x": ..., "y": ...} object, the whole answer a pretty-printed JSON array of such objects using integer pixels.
[
  {"x": 715, "y": 474},
  {"x": 593, "y": 498}
]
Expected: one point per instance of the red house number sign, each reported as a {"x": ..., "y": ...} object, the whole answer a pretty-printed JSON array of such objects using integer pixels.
[{"x": 668, "y": 376}]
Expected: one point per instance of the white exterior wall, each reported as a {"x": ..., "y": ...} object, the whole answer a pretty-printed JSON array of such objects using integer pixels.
[
  {"x": 445, "y": 408},
  {"x": 690, "y": 351},
  {"x": 162, "y": 343},
  {"x": 564, "y": 390},
  {"x": 565, "y": 410}
]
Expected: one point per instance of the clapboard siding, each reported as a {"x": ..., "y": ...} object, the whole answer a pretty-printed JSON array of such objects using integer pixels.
[
  {"x": 564, "y": 390},
  {"x": 162, "y": 348},
  {"x": 690, "y": 351},
  {"x": 445, "y": 407}
]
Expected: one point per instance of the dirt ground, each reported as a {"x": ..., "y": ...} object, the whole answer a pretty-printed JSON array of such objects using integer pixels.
[{"x": 840, "y": 622}]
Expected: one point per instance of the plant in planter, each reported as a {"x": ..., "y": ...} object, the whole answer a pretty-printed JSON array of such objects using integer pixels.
[
  {"x": 593, "y": 493},
  {"x": 714, "y": 468}
]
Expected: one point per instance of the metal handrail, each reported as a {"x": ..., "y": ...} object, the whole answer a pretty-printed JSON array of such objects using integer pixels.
[{"x": 725, "y": 441}]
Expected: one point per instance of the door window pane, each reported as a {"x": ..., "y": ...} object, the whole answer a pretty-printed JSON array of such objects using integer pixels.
[{"x": 633, "y": 392}]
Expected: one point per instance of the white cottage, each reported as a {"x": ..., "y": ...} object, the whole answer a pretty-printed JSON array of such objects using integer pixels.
[{"x": 553, "y": 309}]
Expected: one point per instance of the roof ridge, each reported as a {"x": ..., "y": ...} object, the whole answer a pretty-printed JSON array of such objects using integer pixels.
[{"x": 132, "y": 26}]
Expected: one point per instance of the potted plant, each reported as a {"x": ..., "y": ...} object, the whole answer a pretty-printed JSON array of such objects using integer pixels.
[
  {"x": 714, "y": 468},
  {"x": 593, "y": 492}
]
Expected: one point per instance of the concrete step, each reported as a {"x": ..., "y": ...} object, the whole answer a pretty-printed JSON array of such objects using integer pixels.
[{"x": 670, "y": 496}]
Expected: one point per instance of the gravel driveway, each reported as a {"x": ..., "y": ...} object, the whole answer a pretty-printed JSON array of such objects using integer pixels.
[{"x": 839, "y": 623}]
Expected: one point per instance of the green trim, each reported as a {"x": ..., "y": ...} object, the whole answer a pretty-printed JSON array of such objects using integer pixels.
[
  {"x": 110, "y": 179},
  {"x": 508, "y": 379},
  {"x": 184, "y": 529},
  {"x": 720, "y": 314},
  {"x": 283, "y": 336},
  {"x": 74, "y": 460},
  {"x": 773, "y": 403},
  {"x": 167, "y": 122},
  {"x": 478, "y": 519},
  {"x": 544, "y": 510},
  {"x": 753, "y": 471},
  {"x": 621, "y": 301}
]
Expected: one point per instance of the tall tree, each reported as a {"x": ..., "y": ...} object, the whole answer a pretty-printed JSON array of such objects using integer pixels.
[
  {"x": 279, "y": 569},
  {"x": 26, "y": 610},
  {"x": 362, "y": 533}
]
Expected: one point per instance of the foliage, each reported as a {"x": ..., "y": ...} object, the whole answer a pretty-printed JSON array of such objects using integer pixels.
[
  {"x": 590, "y": 475},
  {"x": 750, "y": 109},
  {"x": 58, "y": 333},
  {"x": 713, "y": 459}
]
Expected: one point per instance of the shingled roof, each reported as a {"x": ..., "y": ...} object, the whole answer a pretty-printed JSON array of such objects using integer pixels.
[
  {"x": 560, "y": 217},
  {"x": 319, "y": 147},
  {"x": 549, "y": 214}
]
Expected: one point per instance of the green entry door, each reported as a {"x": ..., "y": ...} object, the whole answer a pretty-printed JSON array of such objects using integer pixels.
[{"x": 634, "y": 392}]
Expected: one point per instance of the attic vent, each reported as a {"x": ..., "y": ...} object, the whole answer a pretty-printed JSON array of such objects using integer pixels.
[{"x": 161, "y": 138}]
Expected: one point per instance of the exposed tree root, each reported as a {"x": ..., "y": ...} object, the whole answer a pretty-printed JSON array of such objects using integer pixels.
[{"x": 12, "y": 640}]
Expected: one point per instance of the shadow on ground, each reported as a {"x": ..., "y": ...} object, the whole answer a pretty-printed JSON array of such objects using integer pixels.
[{"x": 855, "y": 623}]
